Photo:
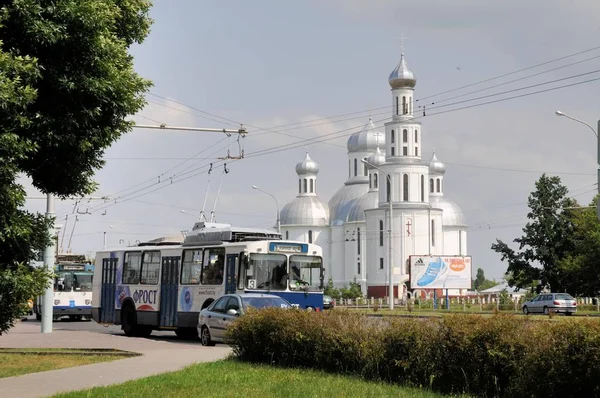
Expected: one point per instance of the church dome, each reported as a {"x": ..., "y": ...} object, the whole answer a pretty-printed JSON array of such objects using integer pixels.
[
  {"x": 340, "y": 203},
  {"x": 452, "y": 215},
  {"x": 368, "y": 201},
  {"x": 367, "y": 139},
  {"x": 377, "y": 158},
  {"x": 436, "y": 166},
  {"x": 305, "y": 210},
  {"x": 307, "y": 166},
  {"x": 402, "y": 76}
]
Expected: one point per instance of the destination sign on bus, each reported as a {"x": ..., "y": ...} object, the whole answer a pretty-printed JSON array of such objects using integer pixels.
[
  {"x": 288, "y": 247},
  {"x": 71, "y": 267}
]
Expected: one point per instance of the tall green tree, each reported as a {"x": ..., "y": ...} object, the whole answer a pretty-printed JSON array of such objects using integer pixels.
[
  {"x": 479, "y": 279},
  {"x": 547, "y": 238},
  {"x": 67, "y": 85},
  {"x": 581, "y": 267}
]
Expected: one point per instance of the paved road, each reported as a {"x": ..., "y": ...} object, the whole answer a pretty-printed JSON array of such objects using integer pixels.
[
  {"x": 160, "y": 354},
  {"x": 91, "y": 326}
]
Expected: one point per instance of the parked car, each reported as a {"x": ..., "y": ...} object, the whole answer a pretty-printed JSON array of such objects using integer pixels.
[
  {"x": 328, "y": 302},
  {"x": 546, "y": 302},
  {"x": 214, "y": 319}
]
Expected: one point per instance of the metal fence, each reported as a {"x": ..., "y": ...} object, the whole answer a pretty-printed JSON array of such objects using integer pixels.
[{"x": 459, "y": 304}]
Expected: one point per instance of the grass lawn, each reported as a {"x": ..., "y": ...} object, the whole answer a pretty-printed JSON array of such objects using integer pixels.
[
  {"x": 231, "y": 378},
  {"x": 18, "y": 364}
]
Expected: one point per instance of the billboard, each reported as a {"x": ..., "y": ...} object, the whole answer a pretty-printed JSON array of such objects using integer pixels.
[{"x": 440, "y": 272}]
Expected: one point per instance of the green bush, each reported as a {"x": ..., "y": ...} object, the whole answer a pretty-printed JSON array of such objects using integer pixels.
[{"x": 502, "y": 355}]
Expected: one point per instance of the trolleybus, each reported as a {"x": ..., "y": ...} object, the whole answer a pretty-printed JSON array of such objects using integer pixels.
[
  {"x": 165, "y": 285},
  {"x": 72, "y": 292}
]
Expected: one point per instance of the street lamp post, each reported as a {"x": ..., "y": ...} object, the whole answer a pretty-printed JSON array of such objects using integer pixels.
[
  {"x": 390, "y": 235},
  {"x": 276, "y": 204},
  {"x": 559, "y": 113}
]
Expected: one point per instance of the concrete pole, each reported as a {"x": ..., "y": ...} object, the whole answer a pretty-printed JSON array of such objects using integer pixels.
[
  {"x": 49, "y": 255},
  {"x": 391, "y": 243},
  {"x": 104, "y": 246}
]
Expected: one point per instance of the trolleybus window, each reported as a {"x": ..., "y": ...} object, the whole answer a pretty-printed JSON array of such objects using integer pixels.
[
  {"x": 131, "y": 268},
  {"x": 150, "y": 268},
  {"x": 82, "y": 281},
  {"x": 212, "y": 266},
  {"x": 63, "y": 281},
  {"x": 192, "y": 267},
  {"x": 306, "y": 272},
  {"x": 267, "y": 271}
]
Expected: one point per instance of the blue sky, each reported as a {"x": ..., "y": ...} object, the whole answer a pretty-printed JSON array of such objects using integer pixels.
[{"x": 271, "y": 63}]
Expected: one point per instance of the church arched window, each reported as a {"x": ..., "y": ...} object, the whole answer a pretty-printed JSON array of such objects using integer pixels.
[
  {"x": 438, "y": 185},
  {"x": 392, "y": 137},
  {"x": 404, "y": 107},
  {"x": 358, "y": 241},
  {"x": 370, "y": 181},
  {"x": 310, "y": 236},
  {"x": 305, "y": 185},
  {"x": 287, "y": 235},
  {"x": 375, "y": 180},
  {"x": 300, "y": 186},
  {"x": 405, "y": 187},
  {"x": 422, "y": 188},
  {"x": 365, "y": 170},
  {"x": 355, "y": 167},
  {"x": 397, "y": 106},
  {"x": 431, "y": 185},
  {"x": 380, "y": 232},
  {"x": 410, "y": 104},
  {"x": 312, "y": 187},
  {"x": 405, "y": 136}
]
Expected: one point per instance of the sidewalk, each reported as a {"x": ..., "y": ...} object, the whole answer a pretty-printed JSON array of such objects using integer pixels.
[{"x": 159, "y": 356}]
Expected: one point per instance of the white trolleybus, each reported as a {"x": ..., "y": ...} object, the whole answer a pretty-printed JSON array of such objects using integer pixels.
[
  {"x": 72, "y": 295},
  {"x": 164, "y": 285}
]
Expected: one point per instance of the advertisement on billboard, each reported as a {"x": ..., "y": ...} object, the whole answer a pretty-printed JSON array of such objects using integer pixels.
[{"x": 440, "y": 272}]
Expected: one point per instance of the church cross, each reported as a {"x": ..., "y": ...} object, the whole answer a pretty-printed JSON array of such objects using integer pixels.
[{"x": 408, "y": 225}]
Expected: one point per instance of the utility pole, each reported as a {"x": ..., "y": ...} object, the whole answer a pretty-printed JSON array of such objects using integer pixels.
[
  {"x": 596, "y": 131},
  {"x": 49, "y": 254}
]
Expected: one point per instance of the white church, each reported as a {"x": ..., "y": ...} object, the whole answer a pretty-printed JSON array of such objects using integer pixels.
[{"x": 352, "y": 228}]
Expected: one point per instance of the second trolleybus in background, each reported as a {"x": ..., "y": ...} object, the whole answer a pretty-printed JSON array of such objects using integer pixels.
[
  {"x": 73, "y": 278},
  {"x": 162, "y": 285}
]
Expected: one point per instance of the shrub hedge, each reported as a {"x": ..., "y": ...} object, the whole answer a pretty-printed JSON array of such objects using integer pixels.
[{"x": 497, "y": 356}]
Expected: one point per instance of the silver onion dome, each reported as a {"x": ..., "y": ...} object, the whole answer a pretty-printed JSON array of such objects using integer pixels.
[
  {"x": 436, "y": 166},
  {"x": 340, "y": 203},
  {"x": 377, "y": 158},
  {"x": 367, "y": 139},
  {"x": 307, "y": 166},
  {"x": 402, "y": 76},
  {"x": 452, "y": 215},
  {"x": 368, "y": 201},
  {"x": 305, "y": 210}
]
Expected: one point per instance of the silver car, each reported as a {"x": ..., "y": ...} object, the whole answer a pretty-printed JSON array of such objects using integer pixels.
[
  {"x": 214, "y": 319},
  {"x": 555, "y": 302}
]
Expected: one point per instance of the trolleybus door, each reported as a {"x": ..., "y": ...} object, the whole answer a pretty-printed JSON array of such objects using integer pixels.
[
  {"x": 230, "y": 279},
  {"x": 169, "y": 291},
  {"x": 107, "y": 302}
]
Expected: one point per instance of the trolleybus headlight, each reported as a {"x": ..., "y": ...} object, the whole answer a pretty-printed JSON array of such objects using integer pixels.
[
  {"x": 88, "y": 302},
  {"x": 56, "y": 302}
]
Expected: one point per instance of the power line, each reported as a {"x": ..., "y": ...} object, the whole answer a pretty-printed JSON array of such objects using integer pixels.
[
  {"x": 516, "y": 89},
  {"x": 515, "y": 80},
  {"x": 511, "y": 73}
]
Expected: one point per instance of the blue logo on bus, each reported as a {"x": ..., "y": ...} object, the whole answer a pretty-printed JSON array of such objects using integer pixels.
[
  {"x": 186, "y": 299},
  {"x": 72, "y": 303}
]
